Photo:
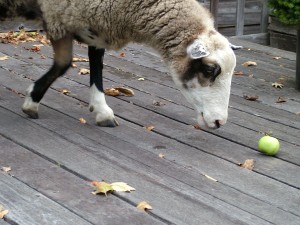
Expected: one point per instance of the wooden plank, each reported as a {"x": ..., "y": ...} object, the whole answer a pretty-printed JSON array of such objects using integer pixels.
[
  {"x": 66, "y": 189},
  {"x": 167, "y": 169},
  {"x": 27, "y": 206}
]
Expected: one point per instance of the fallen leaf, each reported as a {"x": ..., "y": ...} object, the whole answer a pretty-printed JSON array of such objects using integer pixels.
[
  {"x": 111, "y": 92},
  {"x": 213, "y": 179},
  {"x": 101, "y": 188},
  {"x": 2, "y": 58},
  {"x": 298, "y": 113},
  {"x": 149, "y": 127},
  {"x": 3, "y": 212},
  {"x": 65, "y": 91},
  {"x": 83, "y": 121},
  {"x": 158, "y": 103},
  {"x": 80, "y": 59},
  {"x": 197, "y": 126},
  {"x": 277, "y": 57},
  {"x": 248, "y": 164},
  {"x": 122, "y": 54},
  {"x": 83, "y": 71},
  {"x": 121, "y": 187},
  {"x": 144, "y": 206},
  {"x": 126, "y": 91},
  {"x": 277, "y": 85},
  {"x": 6, "y": 169},
  {"x": 249, "y": 63},
  {"x": 251, "y": 97},
  {"x": 35, "y": 49},
  {"x": 280, "y": 100},
  {"x": 161, "y": 155},
  {"x": 238, "y": 73},
  {"x": 141, "y": 79},
  {"x": 73, "y": 65},
  {"x": 43, "y": 57}
]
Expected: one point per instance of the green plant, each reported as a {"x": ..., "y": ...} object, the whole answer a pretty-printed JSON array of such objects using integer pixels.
[{"x": 287, "y": 11}]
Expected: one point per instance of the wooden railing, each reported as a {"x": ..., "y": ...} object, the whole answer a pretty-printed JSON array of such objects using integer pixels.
[{"x": 240, "y": 14}]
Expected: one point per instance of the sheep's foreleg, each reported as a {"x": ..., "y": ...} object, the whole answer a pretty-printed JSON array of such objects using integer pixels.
[
  {"x": 62, "y": 60},
  {"x": 104, "y": 114}
]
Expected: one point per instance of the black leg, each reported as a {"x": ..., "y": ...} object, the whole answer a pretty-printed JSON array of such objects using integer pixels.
[
  {"x": 104, "y": 114},
  {"x": 62, "y": 60}
]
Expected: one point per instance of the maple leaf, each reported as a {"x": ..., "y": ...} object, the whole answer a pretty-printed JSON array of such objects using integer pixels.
[
  {"x": 126, "y": 91},
  {"x": 248, "y": 164},
  {"x": 121, "y": 187},
  {"x": 111, "y": 92},
  {"x": 101, "y": 188},
  {"x": 3, "y": 212},
  {"x": 65, "y": 91},
  {"x": 277, "y": 85},
  {"x": 144, "y": 206},
  {"x": 249, "y": 63},
  {"x": 122, "y": 54}
]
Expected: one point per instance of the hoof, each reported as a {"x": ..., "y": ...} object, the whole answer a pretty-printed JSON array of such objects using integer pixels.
[
  {"x": 32, "y": 114},
  {"x": 108, "y": 123}
]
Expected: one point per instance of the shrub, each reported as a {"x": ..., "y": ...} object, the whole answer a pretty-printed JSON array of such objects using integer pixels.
[{"x": 287, "y": 11}]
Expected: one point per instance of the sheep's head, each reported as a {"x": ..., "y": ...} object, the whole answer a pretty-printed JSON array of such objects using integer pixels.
[{"x": 204, "y": 76}]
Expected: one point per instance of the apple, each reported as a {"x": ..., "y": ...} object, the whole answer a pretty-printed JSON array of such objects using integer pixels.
[{"x": 268, "y": 145}]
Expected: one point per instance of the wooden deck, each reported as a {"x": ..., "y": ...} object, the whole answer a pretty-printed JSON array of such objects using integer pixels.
[{"x": 54, "y": 158}]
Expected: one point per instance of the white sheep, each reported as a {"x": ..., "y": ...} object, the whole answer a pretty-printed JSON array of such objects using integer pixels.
[{"x": 200, "y": 59}]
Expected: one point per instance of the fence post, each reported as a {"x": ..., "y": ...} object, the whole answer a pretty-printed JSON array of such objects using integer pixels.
[
  {"x": 298, "y": 61},
  {"x": 264, "y": 17},
  {"x": 214, "y": 4},
  {"x": 240, "y": 17}
]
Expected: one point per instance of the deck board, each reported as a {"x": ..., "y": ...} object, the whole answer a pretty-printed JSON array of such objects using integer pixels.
[{"x": 267, "y": 195}]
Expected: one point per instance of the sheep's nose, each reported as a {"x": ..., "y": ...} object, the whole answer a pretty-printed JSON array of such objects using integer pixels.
[{"x": 219, "y": 123}]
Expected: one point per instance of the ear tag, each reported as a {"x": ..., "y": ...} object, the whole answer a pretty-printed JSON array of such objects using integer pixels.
[{"x": 197, "y": 50}]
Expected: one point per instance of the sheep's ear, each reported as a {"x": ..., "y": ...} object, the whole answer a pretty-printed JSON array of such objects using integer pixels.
[
  {"x": 197, "y": 50},
  {"x": 235, "y": 47}
]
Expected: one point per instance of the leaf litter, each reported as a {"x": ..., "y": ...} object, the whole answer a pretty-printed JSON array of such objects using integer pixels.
[{"x": 104, "y": 187}]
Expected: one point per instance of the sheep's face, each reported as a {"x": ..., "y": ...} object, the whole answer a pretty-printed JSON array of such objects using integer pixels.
[{"x": 204, "y": 78}]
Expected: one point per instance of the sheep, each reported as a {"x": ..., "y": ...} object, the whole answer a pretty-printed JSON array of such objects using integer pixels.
[{"x": 200, "y": 59}]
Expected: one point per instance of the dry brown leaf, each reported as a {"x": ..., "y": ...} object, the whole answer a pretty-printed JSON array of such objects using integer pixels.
[
  {"x": 277, "y": 85},
  {"x": 158, "y": 103},
  {"x": 6, "y": 169},
  {"x": 101, "y": 187},
  {"x": 248, "y": 164},
  {"x": 73, "y": 65},
  {"x": 298, "y": 113},
  {"x": 149, "y": 127},
  {"x": 2, "y": 58},
  {"x": 197, "y": 127},
  {"x": 80, "y": 59},
  {"x": 251, "y": 97},
  {"x": 161, "y": 155},
  {"x": 144, "y": 206},
  {"x": 82, "y": 121},
  {"x": 111, "y": 92},
  {"x": 250, "y": 63},
  {"x": 238, "y": 73},
  {"x": 280, "y": 100},
  {"x": 213, "y": 179},
  {"x": 83, "y": 71},
  {"x": 121, "y": 187},
  {"x": 126, "y": 91},
  {"x": 3, "y": 212},
  {"x": 122, "y": 54}
]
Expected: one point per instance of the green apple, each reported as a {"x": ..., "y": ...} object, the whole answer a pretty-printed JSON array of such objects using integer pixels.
[{"x": 268, "y": 145}]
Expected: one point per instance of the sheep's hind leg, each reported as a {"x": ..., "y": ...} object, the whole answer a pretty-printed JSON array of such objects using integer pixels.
[
  {"x": 104, "y": 114},
  {"x": 62, "y": 60}
]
